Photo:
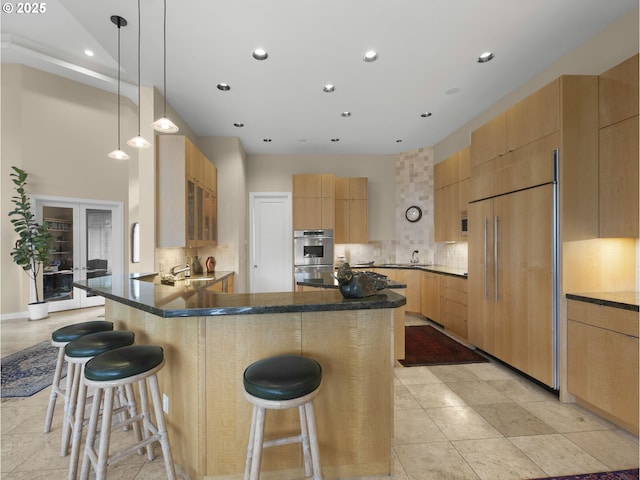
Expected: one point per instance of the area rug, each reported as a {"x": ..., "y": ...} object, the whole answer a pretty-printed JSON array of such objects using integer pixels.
[
  {"x": 28, "y": 371},
  {"x": 424, "y": 345},
  {"x": 617, "y": 475}
]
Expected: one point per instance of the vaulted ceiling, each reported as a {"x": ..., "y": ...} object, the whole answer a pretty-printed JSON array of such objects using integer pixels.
[{"x": 427, "y": 61}]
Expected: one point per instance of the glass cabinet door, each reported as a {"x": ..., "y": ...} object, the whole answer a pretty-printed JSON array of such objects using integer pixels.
[{"x": 57, "y": 277}]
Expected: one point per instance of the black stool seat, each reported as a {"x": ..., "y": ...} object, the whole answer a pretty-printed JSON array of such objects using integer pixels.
[
  {"x": 97, "y": 343},
  {"x": 282, "y": 377},
  {"x": 123, "y": 362},
  {"x": 71, "y": 332}
]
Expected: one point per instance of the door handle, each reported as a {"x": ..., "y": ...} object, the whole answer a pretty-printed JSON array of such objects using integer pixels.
[
  {"x": 495, "y": 257},
  {"x": 484, "y": 266}
]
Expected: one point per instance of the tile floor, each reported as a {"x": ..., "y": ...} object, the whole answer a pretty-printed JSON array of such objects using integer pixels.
[{"x": 476, "y": 421}]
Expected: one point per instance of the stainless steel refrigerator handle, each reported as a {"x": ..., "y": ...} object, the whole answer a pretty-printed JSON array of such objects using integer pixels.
[
  {"x": 486, "y": 293},
  {"x": 495, "y": 256}
]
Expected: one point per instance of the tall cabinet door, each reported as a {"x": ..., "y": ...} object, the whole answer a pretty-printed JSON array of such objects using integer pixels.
[
  {"x": 481, "y": 293},
  {"x": 523, "y": 226},
  {"x": 511, "y": 280}
]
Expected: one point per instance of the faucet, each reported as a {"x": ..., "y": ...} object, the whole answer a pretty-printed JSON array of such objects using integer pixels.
[
  {"x": 414, "y": 259},
  {"x": 178, "y": 269}
]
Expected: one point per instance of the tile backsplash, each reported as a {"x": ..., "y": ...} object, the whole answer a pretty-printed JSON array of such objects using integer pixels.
[{"x": 414, "y": 186}]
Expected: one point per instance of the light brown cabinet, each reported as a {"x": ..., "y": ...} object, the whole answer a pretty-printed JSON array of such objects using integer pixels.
[
  {"x": 453, "y": 305},
  {"x": 451, "y": 196},
  {"x": 186, "y": 196},
  {"x": 618, "y": 148},
  {"x": 489, "y": 141},
  {"x": 511, "y": 265},
  {"x": 618, "y": 92},
  {"x": 602, "y": 360},
  {"x": 511, "y": 220},
  {"x": 430, "y": 296},
  {"x": 313, "y": 201},
  {"x": 351, "y": 210}
]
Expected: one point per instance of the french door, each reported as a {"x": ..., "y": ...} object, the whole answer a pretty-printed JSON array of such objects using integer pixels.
[{"x": 88, "y": 243}]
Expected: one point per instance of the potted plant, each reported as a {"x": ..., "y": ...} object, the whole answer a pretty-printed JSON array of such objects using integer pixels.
[{"x": 31, "y": 250}]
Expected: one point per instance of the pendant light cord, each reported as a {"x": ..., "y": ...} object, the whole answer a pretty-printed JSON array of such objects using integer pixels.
[
  {"x": 118, "y": 85},
  {"x": 164, "y": 50},
  {"x": 139, "y": 89}
]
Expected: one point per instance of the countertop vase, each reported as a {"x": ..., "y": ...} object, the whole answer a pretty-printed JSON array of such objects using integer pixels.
[
  {"x": 210, "y": 263},
  {"x": 196, "y": 266}
]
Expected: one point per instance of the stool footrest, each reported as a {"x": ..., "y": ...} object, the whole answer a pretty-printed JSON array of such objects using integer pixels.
[{"x": 275, "y": 442}]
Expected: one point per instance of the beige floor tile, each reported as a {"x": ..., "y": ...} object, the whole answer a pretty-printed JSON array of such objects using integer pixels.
[
  {"x": 453, "y": 373},
  {"x": 14, "y": 415},
  {"x": 491, "y": 371},
  {"x": 49, "y": 474},
  {"x": 397, "y": 470},
  {"x": 434, "y": 395},
  {"x": 512, "y": 420},
  {"x": 462, "y": 423},
  {"x": 565, "y": 417},
  {"x": 434, "y": 461},
  {"x": 497, "y": 459},
  {"x": 618, "y": 450},
  {"x": 557, "y": 455},
  {"x": 522, "y": 391},
  {"x": 402, "y": 398},
  {"x": 477, "y": 393},
  {"x": 17, "y": 448},
  {"x": 415, "y": 426},
  {"x": 415, "y": 376}
]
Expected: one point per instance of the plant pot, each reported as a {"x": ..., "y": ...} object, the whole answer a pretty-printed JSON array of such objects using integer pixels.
[{"x": 38, "y": 310}]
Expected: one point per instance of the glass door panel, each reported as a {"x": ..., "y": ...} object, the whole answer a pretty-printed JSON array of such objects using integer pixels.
[
  {"x": 57, "y": 278},
  {"x": 89, "y": 243}
]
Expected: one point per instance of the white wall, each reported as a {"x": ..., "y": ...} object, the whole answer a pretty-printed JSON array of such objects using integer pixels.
[
  {"x": 60, "y": 132},
  {"x": 273, "y": 173}
]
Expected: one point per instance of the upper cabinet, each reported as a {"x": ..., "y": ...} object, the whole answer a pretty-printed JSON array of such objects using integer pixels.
[
  {"x": 451, "y": 196},
  {"x": 618, "y": 147},
  {"x": 618, "y": 91},
  {"x": 489, "y": 141},
  {"x": 314, "y": 201},
  {"x": 351, "y": 210},
  {"x": 186, "y": 194}
]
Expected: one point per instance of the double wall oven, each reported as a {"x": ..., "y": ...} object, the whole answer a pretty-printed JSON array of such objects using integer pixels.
[{"x": 313, "y": 253}]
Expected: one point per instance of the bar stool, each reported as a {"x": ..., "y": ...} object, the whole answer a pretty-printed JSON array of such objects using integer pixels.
[
  {"x": 77, "y": 353},
  {"x": 60, "y": 338},
  {"x": 124, "y": 366},
  {"x": 283, "y": 382}
]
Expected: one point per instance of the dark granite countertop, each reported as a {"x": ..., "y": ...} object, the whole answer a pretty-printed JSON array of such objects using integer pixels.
[
  {"x": 442, "y": 269},
  {"x": 623, "y": 300},
  {"x": 327, "y": 280},
  {"x": 144, "y": 292}
]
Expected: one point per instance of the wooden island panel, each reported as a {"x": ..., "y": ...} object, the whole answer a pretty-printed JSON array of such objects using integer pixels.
[{"x": 209, "y": 419}]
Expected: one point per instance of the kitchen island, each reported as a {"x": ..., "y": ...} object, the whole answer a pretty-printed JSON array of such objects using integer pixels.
[{"x": 209, "y": 339}]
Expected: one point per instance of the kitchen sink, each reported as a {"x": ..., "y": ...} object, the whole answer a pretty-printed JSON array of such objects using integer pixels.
[{"x": 406, "y": 265}]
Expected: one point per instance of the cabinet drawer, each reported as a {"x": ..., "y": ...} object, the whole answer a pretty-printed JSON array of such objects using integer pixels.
[
  {"x": 610, "y": 318},
  {"x": 455, "y": 324},
  {"x": 458, "y": 283},
  {"x": 455, "y": 295},
  {"x": 452, "y": 307}
]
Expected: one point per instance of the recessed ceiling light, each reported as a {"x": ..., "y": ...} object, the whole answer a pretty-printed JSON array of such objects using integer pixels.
[
  {"x": 224, "y": 87},
  {"x": 345, "y": 114},
  {"x": 329, "y": 88},
  {"x": 266, "y": 140},
  {"x": 238, "y": 124},
  {"x": 370, "y": 56},
  {"x": 485, "y": 57},
  {"x": 335, "y": 139},
  {"x": 425, "y": 114},
  {"x": 260, "y": 54},
  {"x": 399, "y": 140},
  {"x": 88, "y": 53}
]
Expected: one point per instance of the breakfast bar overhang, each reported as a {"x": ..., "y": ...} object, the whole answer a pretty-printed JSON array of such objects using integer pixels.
[{"x": 209, "y": 339}]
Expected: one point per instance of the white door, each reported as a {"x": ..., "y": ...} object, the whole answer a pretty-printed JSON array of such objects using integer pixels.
[
  {"x": 271, "y": 246},
  {"x": 88, "y": 243}
]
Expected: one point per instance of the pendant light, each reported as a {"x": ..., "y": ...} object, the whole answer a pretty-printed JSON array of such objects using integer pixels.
[
  {"x": 118, "y": 154},
  {"x": 139, "y": 141},
  {"x": 163, "y": 124}
]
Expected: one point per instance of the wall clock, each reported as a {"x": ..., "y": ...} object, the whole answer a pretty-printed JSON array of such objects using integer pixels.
[{"x": 413, "y": 213}]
